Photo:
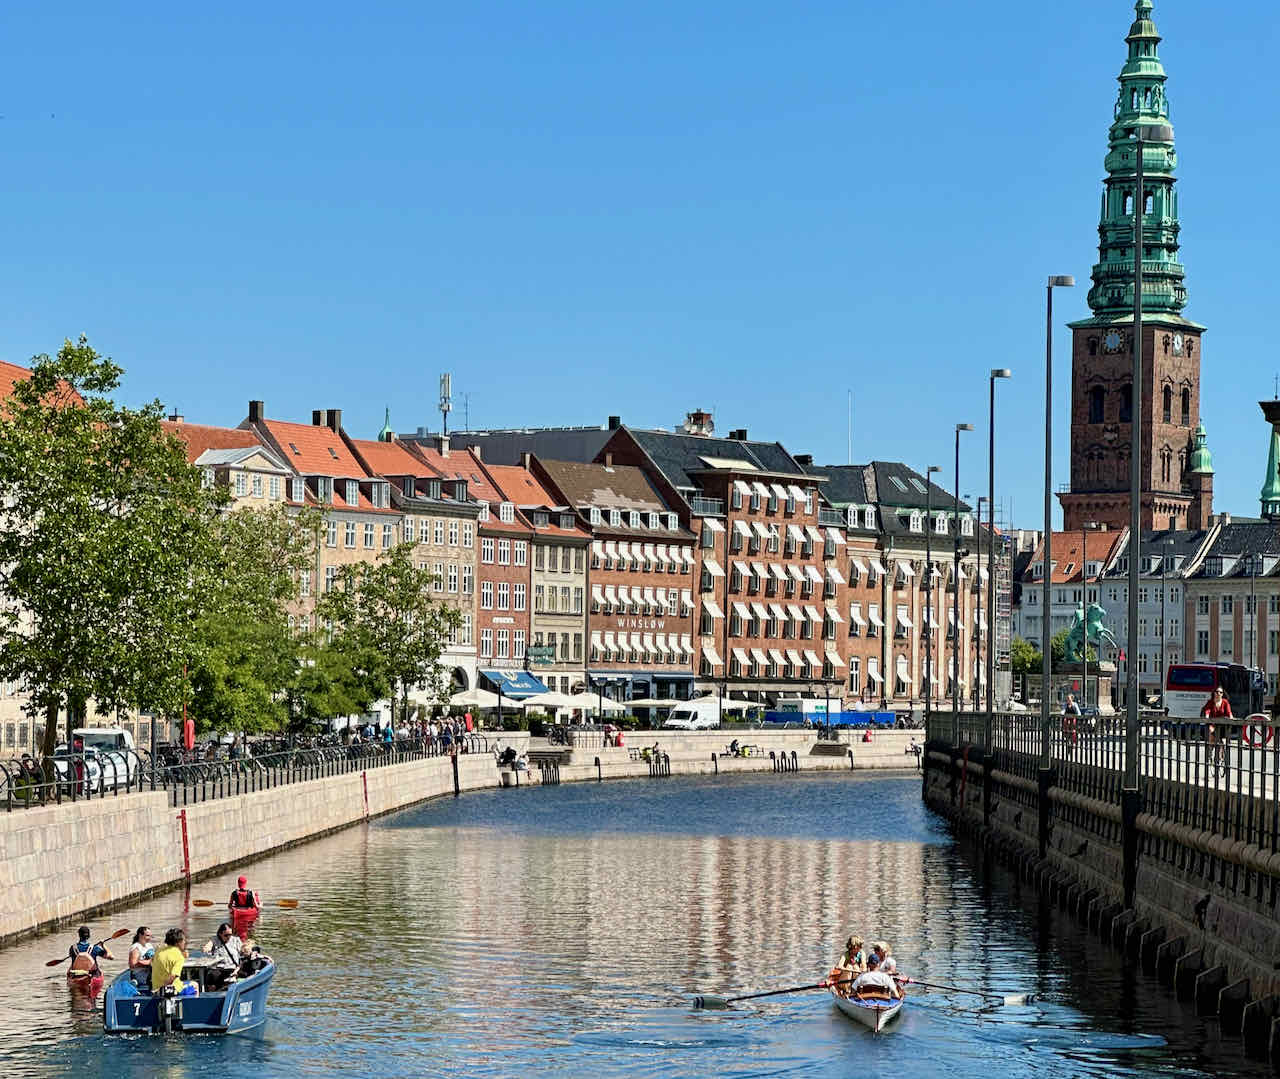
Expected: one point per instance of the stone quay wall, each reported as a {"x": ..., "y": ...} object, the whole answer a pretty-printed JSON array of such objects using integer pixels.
[{"x": 74, "y": 861}]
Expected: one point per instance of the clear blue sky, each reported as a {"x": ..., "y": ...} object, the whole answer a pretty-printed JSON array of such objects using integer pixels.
[{"x": 582, "y": 208}]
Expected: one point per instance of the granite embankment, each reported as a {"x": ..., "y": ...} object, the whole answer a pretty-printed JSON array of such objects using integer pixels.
[{"x": 72, "y": 861}]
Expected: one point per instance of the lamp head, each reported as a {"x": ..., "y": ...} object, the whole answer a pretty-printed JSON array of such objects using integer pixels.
[
  {"x": 932, "y": 469},
  {"x": 1001, "y": 372},
  {"x": 1062, "y": 281},
  {"x": 963, "y": 427}
]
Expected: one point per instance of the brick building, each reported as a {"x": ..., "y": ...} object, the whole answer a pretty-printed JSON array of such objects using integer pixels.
[{"x": 641, "y": 605}]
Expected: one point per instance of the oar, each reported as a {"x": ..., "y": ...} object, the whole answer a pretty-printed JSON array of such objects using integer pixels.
[
  {"x": 1012, "y": 1000},
  {"x": 288, "y": 904},
  {"x": 724, "y": 1002},
  {"x": 114, "y": 936}
]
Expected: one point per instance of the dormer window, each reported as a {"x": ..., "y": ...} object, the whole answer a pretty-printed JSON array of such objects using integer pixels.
[
  {"x": 410, "y": 487},
  {"x": 297, "y": 489},
  {"x": 541, "y": 520},
  {"x": 484, "y": 512},
  {"x": 324, "y": 489},
  {"x": 352, "y": 492},
  {"x": 940, "y": 524},
  {"x": 870, "y": 517},
  {"x": 653, "y": 520},
  {"x": 566, "y": 520},
  {"x": 596, "y": 516},
  {"x": 672, "y": 523},
  {"x": 615, "y": 518},
  {"x": 634, "y": 517},
  {"x": 917, "y": 521},
  {"x": 966, "y": 526},
  {"x": 506, "y": 512}
]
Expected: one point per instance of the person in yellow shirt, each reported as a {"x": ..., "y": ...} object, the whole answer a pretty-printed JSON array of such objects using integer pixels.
[{"x": 167, "y": 963}]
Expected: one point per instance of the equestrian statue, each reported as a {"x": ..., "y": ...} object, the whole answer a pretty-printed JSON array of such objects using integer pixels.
[{"x": 1087, "y": 627}]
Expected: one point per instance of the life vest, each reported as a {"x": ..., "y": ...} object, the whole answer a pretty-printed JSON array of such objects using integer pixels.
[{"x": 243, "y": 899}]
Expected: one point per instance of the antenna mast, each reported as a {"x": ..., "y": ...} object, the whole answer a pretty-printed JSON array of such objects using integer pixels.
[{"x": 446, "y": 400}]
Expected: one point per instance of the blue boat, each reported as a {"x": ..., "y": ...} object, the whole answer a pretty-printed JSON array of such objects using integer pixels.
[{"x": 238, "y": 1006}]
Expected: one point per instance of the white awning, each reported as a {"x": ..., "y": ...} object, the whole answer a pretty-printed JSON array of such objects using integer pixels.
[
  {"x": 711, "y": 607},
  {"x": 779, "y": 491},
  {"x": 812, "y": 659},
  {"x": 930, "y": 620},
  {"x": 833, "y": 613},
  {"x": 935, "y": 574},
  {"x": 982, "y": 574},
  {"x": 812, "y": 573},
  {"x": 905, "y": 569},
  {"x": 855, "y": 614},
  {"x": 710, "y": 654},
  {"x": 713, "y": 524},
  {"x": 610, "y": 595},
  {"x": 611, "y": 550},
  {"x": 904, "y": 674},
  {"x": 778, "y": 613},
  {"x": 813, "y": 533},
  {"x": 793, "y": 657},
  {"x": 813, "y": 615},
  {"x": 858, "y": 564},
  {"x": 960, "y": 571},
  {"x": 744, "y": 660},
  {"x": 835, "y": 575},
  {"x": 712, "y": 567},
  {"x": 797, "y": 574},
  {"x": 741, "y": 610},
  {"x": 597, "y": 549},
  {"x": 874, "y": 614},
  {"x": 609, "y": 642},
  {"x": 687, "y": 554},
  {"x": 596, "y": 642},
  {"x": 796, "y": 492},
  {"x": 661, "y": 641},
  {"x": 795, "y": 613},
  {"x": 742, "y": 487},
  {"x": 779, "y": 660},
  {"x": 742, "y": 569},
  {"x": 661, "y": 551},
  {"x": 650, "y": 555},
  {"x": 597, "y": 595},
  {"x": 796, "y": 533},
  {"x": 624, "y": 595},
  {"x": 760, "y": 489},
  {"x": 982, "y": 623},
  {"x": 759, "y": 659},
  {"x": 686, "y": 599},
  {"x": 742, "y": 528},
  {"x": 649, "y": 647},
  {"x": 878, "y": 566},
  {"x": 651, "y": 599},
  {"x": 760, "y": 571},
  {"x": 624, "y": 552},
  {"x": 778, "y": 570},
  {"x": 903, "y": 620},
  {"x": 833, "y": 657},
  {"x": 951, "y": 617},
  {"x": 686, "y": 643},
  {"x": 873, "y": 671},
  {"x": 835, "y": 536},
  {"x": 759, "y": 610},
  {"x": 761, "y": 531}
]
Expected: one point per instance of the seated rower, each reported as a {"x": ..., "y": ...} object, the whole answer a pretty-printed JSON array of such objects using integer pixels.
[
  {"x": 167, "y": 964},
  {"x": 226, "y": 949},
  {"x": 888, "y": 965},
  {"x": 875, "y": 984},
  {"x": 852, "y": 962},
  {"x": 84, "y": 955},
  {"x": 141, "y": 953}
]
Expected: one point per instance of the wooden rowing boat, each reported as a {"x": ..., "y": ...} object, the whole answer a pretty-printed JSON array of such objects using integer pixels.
[{"x": 874, "y": 1012}]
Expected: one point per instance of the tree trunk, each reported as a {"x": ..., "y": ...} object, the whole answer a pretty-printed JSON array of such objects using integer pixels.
[{"x": 49, "y": 740}]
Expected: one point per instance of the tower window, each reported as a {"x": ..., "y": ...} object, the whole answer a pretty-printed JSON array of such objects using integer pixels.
[
  {"x": 1097, "y": 403},
  {"x": 1128, "y": 204},
  {"x": 1186, "y": 407},
  {"x": 1149, "y": 206},
  {"x": 1126, "y": 403},
  {"x": 1167, "y": 396},
  {"x": 1093, "y": 346}
]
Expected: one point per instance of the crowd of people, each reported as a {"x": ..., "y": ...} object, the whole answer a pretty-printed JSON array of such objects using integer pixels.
[{"x": 866, "y": 970}]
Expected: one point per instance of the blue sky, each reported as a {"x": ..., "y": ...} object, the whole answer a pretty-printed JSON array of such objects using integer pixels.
[{"x": 581, "y": 209}]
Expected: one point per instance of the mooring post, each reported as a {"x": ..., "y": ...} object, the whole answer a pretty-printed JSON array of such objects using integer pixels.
[
  {"x": 988, "y": 766},
  {"x": 1047, "y": 780},
  {"x": 1130, "y": 807}
]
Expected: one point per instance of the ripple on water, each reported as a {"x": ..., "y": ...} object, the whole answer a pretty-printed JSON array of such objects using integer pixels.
[{"x": 565, "y": 931}]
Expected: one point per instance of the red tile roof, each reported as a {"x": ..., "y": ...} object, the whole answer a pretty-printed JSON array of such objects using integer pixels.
[
  {"x": 12, "y": 373},
  {"x": 1067, "y": 560},
  {"x": 523, "y": 488},
  {"x": 200, "y": 437},
  {"x": 314, "y": 450},
  {"x": 461, "y": 465},
  {"x": 389, "y": 458}
]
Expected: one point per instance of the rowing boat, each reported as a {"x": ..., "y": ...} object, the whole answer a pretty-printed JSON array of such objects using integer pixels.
[
  {"x": 873, "y": 1012},
  {"x": 239, "y": 1005}
]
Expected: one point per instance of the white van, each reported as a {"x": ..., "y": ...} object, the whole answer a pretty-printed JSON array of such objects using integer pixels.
[
  {"x": 117, "y": 755},
  {"x": 702, "y": 714}
]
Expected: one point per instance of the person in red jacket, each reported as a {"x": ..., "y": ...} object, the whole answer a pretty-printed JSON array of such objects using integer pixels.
[{"x": 1218, "y": 706}]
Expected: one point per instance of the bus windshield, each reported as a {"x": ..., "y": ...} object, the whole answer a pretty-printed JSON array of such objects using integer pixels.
[{"x": 1192, "y": 678}]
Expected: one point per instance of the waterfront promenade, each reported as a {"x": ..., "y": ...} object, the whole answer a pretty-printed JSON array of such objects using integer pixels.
[{"x": 69, "y": 861}]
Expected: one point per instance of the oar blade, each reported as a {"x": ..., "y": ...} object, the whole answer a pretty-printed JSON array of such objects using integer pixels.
[
  {"x": 710, "y": 1003},
  {"x": 118, "y": 934},
  {"x": 202, "y": 902},
  {"x": 56, "y": 962},
  {"x": 1019, "y": 1000},
  {"x": 288, "y": 904}
]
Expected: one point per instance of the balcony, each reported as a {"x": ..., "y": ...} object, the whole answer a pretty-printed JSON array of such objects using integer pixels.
[
  {"x": 713, "y": 507},
  {"x": 833, "y": 518}
]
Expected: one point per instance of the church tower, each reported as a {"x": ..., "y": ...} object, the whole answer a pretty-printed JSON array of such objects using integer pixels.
[{"x": 1102, "y": 400}]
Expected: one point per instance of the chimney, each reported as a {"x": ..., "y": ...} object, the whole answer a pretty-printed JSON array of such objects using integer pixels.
[
  {"x": 317, "y": 417},
  {"x": 526, "y": 461},
  {"x": 804, "y": 460},
  {"x": 256, "y": 411},
  {"x": 740, "y": 435},
  {"x": 615, "y": 422},
  {"x": 476, "y": 451},
  {"x": 442, "y": 444},
  {"x": 1226, "y": 518},
  {"x": 175, "y": 416},
  {"x": 608, "y": 460},
  {"x": 333, "y": 419}
]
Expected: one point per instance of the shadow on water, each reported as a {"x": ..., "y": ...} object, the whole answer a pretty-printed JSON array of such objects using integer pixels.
[{"x": 564, "y": 931}]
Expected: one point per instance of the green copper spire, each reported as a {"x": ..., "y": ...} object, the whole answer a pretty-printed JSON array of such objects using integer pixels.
[
  {"x": 1141, "y": 101},
  {"x": 1270, "y": 494},
  {"x": 1201, "y": 458},
  {"x": 386, "y": 434}
]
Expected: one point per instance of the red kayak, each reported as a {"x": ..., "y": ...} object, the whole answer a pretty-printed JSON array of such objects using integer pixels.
[{"x": 84, "y": 981}]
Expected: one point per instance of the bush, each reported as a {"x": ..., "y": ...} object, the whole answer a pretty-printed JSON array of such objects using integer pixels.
[{"x": 515, "y": 722}]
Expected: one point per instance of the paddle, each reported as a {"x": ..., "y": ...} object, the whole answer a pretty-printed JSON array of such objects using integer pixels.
[
  {"x": 288, "y": 904},
  {"x": 1012, "y": 1000},
  {"x": 724, "y": 1002},
  {"x": 114, "y": 936}
]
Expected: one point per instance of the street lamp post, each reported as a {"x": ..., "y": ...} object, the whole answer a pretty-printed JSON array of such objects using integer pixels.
[
  {"x": 928, "y": 593},
  {"x": 1046, "y": 754},
  {"x": 977, "y": 628},
  {"x": 1084, "y": 612},
  {"x": 955, "y": 592},
  {"x": 996, "y": 372}
]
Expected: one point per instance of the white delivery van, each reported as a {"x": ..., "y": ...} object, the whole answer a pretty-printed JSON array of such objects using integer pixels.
[
  {"x": 116, "y": 752},
  {"x": 702, "y": 714}
]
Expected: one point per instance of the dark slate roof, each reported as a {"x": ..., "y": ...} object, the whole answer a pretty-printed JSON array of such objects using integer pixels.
[
  {"x": 1240, "y": 539},
  {"x": 897, "y": 484},
  {"x": 505, "y": 447},
  {"x": 1178, "y": 544},
  {"x": 845, "y": 485},
  {"x": 679, "y": 455}
]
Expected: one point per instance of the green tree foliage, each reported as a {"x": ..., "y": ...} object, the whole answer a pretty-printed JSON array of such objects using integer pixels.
[
  {"x": 388, "y": 628},
  {"x": 104, "y": 520},
  {"x": 1024, "y": 658},
  {"x": 247, "y": 652},
  {"x": 1058, "y": 649}
]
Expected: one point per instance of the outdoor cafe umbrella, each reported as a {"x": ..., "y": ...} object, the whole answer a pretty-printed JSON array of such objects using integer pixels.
[
  {"x": 474, "y": 698},
  {"x": 594, "y": 702},
  {"x": 654, "y": 702},
  {"x": 551, "y": 699}
]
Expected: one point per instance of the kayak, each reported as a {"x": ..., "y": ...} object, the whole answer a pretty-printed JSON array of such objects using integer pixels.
[
  {"x": 237, "y": 1006},
  {"x": 84, "y": 981},
  {"x": 874, "y": 1013}
]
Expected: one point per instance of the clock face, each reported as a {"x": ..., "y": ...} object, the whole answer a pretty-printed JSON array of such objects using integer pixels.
[
  {"x": 1177, "y": 344},
  {"x": 1112, "y": 341}
]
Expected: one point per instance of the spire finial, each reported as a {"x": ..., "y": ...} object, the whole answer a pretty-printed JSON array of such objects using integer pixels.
[{"x": 386, "y": 434}]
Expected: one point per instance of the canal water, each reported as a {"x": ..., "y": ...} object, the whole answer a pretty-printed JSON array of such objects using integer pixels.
[{"x": 563, "y": 931}]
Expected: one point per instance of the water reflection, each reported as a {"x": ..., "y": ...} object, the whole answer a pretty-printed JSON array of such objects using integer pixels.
[{"x": 564, "y": 931}]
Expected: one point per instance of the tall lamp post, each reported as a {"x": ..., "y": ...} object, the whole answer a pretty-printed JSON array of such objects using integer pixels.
[
  {"x": 1046, "y": 753},
  {"x": 977, "y": 625},
  {"x": 955, "y": 593},
  {"x": 928, "y": 593},
  {"x": 1084, "y": 611},
  {"x": 996, "y": 372}
]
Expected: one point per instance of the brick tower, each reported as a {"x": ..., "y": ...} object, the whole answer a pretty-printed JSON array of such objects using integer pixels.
[{"x": 1102, "y": 349}]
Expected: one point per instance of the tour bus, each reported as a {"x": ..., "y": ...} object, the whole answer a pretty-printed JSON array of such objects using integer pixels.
[{"x": 1188, "y": 687}]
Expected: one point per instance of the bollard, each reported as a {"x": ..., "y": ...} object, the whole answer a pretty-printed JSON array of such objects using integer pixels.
[
  {"x": 1232, "y": 1000},
  {"x": 1208, "y": 985},
  {"x": 1185, "y": 971},
  {"x": 1167, "y": 956},
  {"x": 715, "y": 762},
  {"x": 851, "y": 760},
  {"x": 1147, "y": 947},
  {"x": 599, "y": 773},
  {"x": 457, "y": 784}
]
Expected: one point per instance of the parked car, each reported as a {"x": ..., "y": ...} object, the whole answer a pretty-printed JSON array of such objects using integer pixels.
[
  {"x": 116, "y": 753},
  {"x": 81, "y": 770}
]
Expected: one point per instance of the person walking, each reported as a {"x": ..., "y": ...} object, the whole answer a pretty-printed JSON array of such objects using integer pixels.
[{"x": 1218, "y": 706}]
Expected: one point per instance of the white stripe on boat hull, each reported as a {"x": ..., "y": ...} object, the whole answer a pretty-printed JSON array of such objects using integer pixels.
[{"x": 874, "y": 1015}]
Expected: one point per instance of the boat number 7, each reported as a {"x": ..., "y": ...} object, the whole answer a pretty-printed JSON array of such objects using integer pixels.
[
  {"x": 137, "y": 1010},
  {"x": 246, "y": 1008}
]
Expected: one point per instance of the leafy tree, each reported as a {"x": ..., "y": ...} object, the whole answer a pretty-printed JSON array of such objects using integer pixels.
[
  {"x": 104, "y": 522},
  {"x": 248, "y": 652},
  {"x": 388, "y": 627},
  {"x": 331, "y": 680},
  {"x": 1058, "y": 648},
  {"x": 1024, "y": 658}
]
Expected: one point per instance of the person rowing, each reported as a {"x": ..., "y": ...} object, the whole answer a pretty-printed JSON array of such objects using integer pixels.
[
  {"x": 242, "y": 900},
  {"x": 84, "y": 956},
  {"x": 852, "y": 962},
  {"x": 887, "y": 964},
  {"x": 875, "y": 983}
]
